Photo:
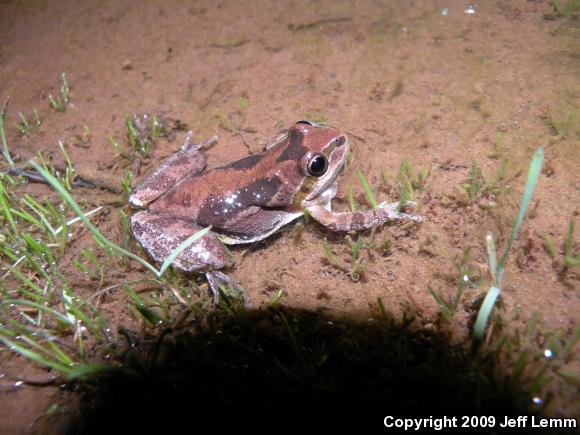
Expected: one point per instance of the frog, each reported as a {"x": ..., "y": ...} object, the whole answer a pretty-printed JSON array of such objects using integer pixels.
[{"x": 247, "y": 200}]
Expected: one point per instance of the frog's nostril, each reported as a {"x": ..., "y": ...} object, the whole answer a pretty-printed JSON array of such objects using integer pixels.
[{"x": 340, "y": 141}]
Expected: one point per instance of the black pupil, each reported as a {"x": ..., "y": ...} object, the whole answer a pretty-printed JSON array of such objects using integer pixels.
[{"x": 318, "y": 166}]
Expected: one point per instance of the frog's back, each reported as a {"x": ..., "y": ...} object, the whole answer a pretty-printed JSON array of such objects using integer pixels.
[{"x": 221, "y": 194}]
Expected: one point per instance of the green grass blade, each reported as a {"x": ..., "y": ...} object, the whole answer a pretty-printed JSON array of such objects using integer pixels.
[
  {"x": 572, "y": 261},
  {"x": 40, "y": 211},
  {"x": 494, "y": 291},
  {"x": 550, "y": 246},
  {"x": 34, "y": 356},
  {"x": 569, "y": 238},
  {"x": 59, "y": 353},
  {"x": 5, "y": 209},
  {"x": 40, "y": 307},
  {"x": 148, "y": 314},
  {"x": 350, "y": 198},
  {"x": 102, "y": 239},
  {"x": 332, "y": 258},
  {"x": 367, "y": 189},
  {"x": 485, "y": 311},
  {"x": 87, "y": 370},
  {"x": 3, "y": 133},
  {"x": 96, "y": 233},
  {"x": 26, "y": 281},
  {"x": 183, "y": 245},
  {"x": 75, "y": 220},
  {"x": 533, "y": 174},
  {"x": 27, "y": 217},
  {"x": 445, "y": 310}
]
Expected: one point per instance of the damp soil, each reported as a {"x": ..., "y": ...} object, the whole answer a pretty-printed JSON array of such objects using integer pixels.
[{"x": 422, "y": 81}]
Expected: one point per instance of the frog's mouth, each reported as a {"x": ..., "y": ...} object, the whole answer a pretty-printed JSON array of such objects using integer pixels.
[{"x": 337, "y": 158}]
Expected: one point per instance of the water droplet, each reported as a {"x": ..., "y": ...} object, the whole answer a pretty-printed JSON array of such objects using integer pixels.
[
  {"x": 548, "y": 354},
  {"x": 18, "y": 384},
  {"x": 465, "y": 278},
  {"x": 445, "y": 12},
  {"x": 470, "y": 10},
  {"x": 537, "y": 401}
]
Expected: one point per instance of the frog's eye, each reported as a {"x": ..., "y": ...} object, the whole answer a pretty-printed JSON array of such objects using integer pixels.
[{"x": 317, "y": 165}]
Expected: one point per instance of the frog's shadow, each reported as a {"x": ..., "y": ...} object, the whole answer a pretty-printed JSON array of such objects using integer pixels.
[{"x": 281, "y": 369}]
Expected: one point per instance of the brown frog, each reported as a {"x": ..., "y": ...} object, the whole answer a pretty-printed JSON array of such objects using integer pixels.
[{"x": 246, "y": 200}]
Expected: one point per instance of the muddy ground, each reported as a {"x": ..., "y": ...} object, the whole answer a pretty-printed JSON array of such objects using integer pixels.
[{"x": 423, "y": 81}]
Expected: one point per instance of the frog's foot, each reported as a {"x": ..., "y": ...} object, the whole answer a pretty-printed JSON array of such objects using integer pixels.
[
  {"x": 215, "y": 279},
  {"x": 361, "y": 220},
  {"x": 394, "y": 212},
  {"x": 161, "y": 235},
  {"x": 186, "y": 163}
]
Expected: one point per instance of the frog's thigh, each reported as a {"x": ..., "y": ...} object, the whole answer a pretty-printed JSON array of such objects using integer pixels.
[
  {"x": 186, "y": 163},
  {"x": 160, "y": 235}
]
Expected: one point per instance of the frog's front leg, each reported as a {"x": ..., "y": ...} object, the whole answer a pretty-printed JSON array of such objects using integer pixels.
[
  {"x": 187, "y": 162},
  {"x": 360, "y": 220},
  {"x": 161, "y": 235}
]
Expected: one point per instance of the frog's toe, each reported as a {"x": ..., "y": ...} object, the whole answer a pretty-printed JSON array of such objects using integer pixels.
[
  {"x": 161, "y": 235},
  {"x": 396, "y": 205},
  {"x": 394, "y": 213},
  {"x": 216, "y": 279}
]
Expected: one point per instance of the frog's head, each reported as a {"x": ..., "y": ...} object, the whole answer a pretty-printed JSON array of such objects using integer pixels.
[{"x": 323, "y": 153}]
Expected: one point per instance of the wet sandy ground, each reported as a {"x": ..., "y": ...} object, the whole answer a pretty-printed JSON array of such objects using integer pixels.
[{"x": 402, "y": 79}]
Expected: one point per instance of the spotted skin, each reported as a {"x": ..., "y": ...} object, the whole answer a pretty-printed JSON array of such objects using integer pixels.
[{"x": 160, "y": 235}]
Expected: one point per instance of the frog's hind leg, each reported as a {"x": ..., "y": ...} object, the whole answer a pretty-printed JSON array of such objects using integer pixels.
[
  {"x": 161, "y": 235},
  {"x": 187, "y": 162}
]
